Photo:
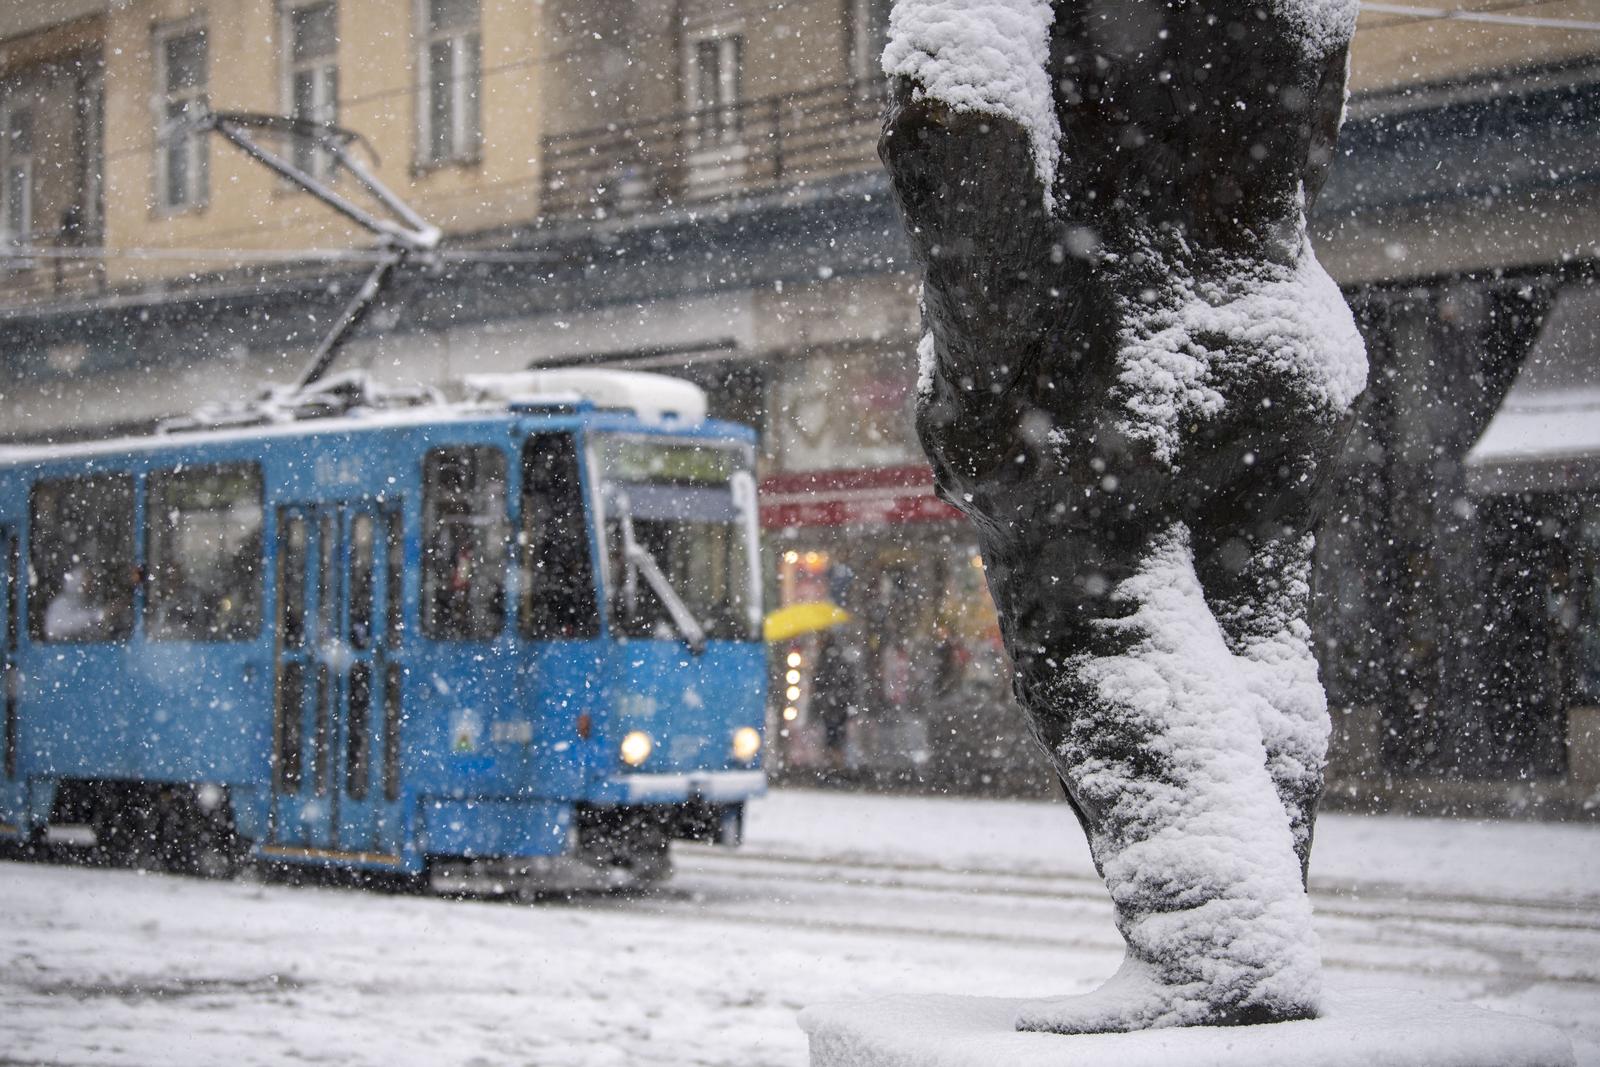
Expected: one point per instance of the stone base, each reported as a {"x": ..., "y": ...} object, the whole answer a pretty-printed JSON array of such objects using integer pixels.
[{"x": 1370, "y": 1028}]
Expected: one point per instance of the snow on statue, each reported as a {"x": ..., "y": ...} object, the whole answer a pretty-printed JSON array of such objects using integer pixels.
[{"x": 1135, "y": 382}]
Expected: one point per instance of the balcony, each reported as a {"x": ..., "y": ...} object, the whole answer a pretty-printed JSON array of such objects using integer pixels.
[
  {"x": 751, "y": 148},
  {"x": 41, "y": 280}
]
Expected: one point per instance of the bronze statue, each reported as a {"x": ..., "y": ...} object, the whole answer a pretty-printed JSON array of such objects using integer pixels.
[{"x": 1135, "y": 382}]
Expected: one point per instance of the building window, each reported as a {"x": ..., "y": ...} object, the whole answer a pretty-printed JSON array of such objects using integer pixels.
[
  {"x": 16, "y": 175},
  {"x": 464, "y": 554},
  {"x": 718, "y": 63},
  {"x": 867, "y": 27},
  {"x": 81, "y": 577},
  {"x": 51, "y": 155},
  {"x": 204, "y": 554},
  {"x": 311, "y": 76},
  {"x": 182, "y": 162},
  {"x": 451, "y": 72}
]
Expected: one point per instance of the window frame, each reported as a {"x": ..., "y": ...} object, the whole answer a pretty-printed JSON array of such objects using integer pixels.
[
  {"x": 1585, "y": 684},
  {"x": 12, "y": 157},
  {"x": 719, "y": 119},
  {"x": 197, "y": 188},
  {"x": 501, "y": 521},
  {"x": 258, "y": 589},
  {"x": 589, "y": 627},
  {"x": 323, "y": 69},
  {"x": 599, "y": 474},
  {"x": 866, "y": 37},
  {"x": 466, "y": 42},
  {"x": 38, "y": 606}
]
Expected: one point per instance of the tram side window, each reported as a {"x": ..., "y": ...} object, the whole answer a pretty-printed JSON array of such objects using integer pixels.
[
  {"x": 204, "y": 549},
  {"x": 464, "y": 547},
  {"x": 81, "y": 555},
  {"x": 558, "y": 598}
]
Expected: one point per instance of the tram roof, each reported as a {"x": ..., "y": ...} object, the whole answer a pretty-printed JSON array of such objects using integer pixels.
[{"x": 573, "y": 408}]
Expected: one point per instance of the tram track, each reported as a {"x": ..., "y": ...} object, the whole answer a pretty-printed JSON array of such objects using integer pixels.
[
  {"x": 1409, "y": 935},
  {"x": 1367, "y": 902}
]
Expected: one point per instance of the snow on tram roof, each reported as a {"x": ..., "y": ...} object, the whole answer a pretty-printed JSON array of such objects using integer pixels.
[
  {"x": 362, "y": 420},
  {"x": 653, "y": 397},
  {"x": 656, "y": 398}
]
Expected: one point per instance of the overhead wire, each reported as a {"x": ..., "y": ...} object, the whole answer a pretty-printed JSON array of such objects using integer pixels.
[
  {"x": 239, "y": 255},
  {"x": 249, "y": 256}
]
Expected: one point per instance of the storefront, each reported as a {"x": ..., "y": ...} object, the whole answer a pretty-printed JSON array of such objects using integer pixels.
[
  {"x": 1535, "y": 481},
  {"x": 915, "y": 688}
]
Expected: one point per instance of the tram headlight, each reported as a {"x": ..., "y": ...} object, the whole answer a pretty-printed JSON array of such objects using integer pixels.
[
  {"x": 636, "y": 748},
  {"x": 746, "y": 743}
]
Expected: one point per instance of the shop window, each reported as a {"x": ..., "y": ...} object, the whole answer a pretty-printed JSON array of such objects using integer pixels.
[
  {"x": 81, "y": 552},
  {"x": 311, "y": 77},
  {"x": 464, "y": 554},
  {"x": 451, "y": 73},
  {"x": 204, "y": 548},
  {"x": 558, "y": 597},
  {"x": 182, "y": 162}
]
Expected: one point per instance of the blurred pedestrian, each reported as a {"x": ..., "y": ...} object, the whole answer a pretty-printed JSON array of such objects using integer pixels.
[{"x": 836, "y": 690}]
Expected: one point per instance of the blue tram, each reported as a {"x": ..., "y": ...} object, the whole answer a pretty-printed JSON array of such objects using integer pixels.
[{"x": 507, "y": 642}]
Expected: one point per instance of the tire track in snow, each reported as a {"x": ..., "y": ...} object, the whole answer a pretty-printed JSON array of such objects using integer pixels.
[
  {"x": 1348, "y": 900},
  {"x": 1405, "y": 935}
]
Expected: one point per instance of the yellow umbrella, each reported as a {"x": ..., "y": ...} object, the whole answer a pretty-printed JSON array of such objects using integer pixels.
[{"x": 797, "y": 619}]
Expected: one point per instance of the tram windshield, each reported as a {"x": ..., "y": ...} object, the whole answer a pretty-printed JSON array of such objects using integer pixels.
[{"x": 680, "y": 533}]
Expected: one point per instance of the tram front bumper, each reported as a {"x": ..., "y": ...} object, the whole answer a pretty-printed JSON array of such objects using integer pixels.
[
  {"x": 526, "y": 876},
  {"x": 708, "y": 787}
]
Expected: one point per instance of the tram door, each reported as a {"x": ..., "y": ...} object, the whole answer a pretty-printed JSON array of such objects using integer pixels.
[
  {"x": 336, "y": 736},
  {"x": 9, "y": 681}
]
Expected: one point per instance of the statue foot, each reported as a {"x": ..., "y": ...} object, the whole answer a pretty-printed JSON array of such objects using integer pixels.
[{"x": 1135, "y": 998}]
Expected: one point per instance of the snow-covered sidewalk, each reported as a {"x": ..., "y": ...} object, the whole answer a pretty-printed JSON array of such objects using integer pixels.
[
  {"x": 835, "y": 895},
  {"x": 1548, "y": 863}
]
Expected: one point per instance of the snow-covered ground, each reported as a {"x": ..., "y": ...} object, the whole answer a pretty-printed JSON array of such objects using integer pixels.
[{"x": 834, "y": 895}]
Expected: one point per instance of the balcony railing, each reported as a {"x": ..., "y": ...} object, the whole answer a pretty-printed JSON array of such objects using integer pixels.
[
  {"x": 751, "y": 148},
  {"x": 45, "y": 279},
  {"x": 744, "y": 149}
]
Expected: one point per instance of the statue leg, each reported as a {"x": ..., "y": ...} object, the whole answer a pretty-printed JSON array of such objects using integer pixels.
[
  {"x": 1157, "y": 734},
  {"x": 1259, "y": 589}
]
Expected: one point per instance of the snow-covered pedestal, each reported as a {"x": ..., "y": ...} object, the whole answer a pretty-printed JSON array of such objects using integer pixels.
[{"x": 1373, "y": 1028}]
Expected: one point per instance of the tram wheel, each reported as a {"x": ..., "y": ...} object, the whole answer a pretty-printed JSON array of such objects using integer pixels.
[{"x": 652, "y": 865}]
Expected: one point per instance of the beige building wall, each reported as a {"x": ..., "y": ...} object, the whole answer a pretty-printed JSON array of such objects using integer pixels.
[
  {"x": 552, "y": 68},
  {"x": 559, "y": 66},
  {"x": 249, "y": 209},
  {"x": 1395, "y": 50},
  {"x": 609, "y": 61}
]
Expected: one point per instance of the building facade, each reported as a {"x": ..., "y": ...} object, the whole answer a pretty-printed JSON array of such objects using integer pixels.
[{"x": 692, "y": 186}]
